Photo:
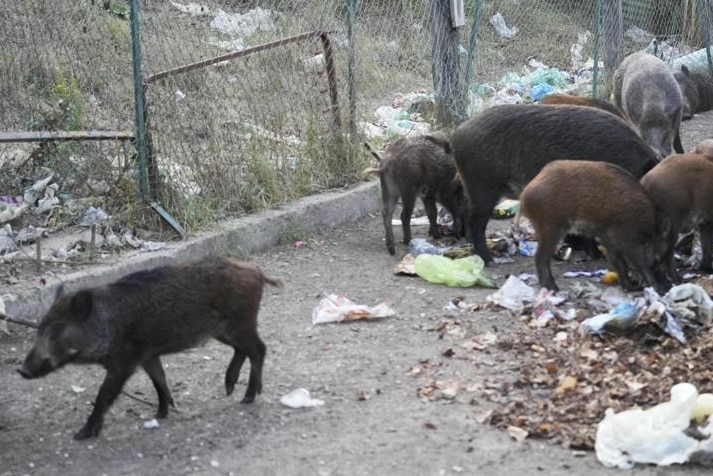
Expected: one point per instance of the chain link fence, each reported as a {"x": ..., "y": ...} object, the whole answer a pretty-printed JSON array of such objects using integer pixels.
[{"x": 251, "y": 104}]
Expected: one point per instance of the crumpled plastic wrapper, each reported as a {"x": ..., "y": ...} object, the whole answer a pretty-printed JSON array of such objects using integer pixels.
[
  {"x": 660, "y": 435},
  {"x": 337, "y": 308}
]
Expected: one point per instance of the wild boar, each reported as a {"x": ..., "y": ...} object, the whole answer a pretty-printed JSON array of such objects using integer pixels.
[
  {"x": 500, "y": 150},
  {"x": 681, "y": 186},
  {"x": 596, "y": 199},
  {"x": 697, "y": 92},
  {"x": 644, "y": 87},
  {"x": 418, "y": 166},
  {"x": 147, "y": 314},
  {"x": 561, "y": 98}
]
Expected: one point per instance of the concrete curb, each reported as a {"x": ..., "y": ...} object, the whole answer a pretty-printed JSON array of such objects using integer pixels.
[{"x": 243, "y": 236}]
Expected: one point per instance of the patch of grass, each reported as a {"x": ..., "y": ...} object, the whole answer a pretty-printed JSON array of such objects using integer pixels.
[{"x": 67, "y": 94}]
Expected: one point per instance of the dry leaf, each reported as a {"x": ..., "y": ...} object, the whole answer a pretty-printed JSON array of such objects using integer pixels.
[
  {"x": 517, "y": 433},
  {"x": 483, "y": 417},
  {"x": 567, "y": 384}
]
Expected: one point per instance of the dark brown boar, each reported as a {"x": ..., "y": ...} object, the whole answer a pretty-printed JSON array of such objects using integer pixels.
[
  {"x": 697, "y": 91},
  {"x": 147, "y": 314},
  {"x": 681, "y": 186},
  {"x": 561, "y": 98},
  {"x": 645, "y": 88},
  {"x": 419, "y": 166},
  {"x": 596, "y": 199},
  {"x": 500, "y": 150}
]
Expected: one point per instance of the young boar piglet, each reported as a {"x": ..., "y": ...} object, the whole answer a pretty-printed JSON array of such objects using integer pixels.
[{"x": 142, "y": 316}]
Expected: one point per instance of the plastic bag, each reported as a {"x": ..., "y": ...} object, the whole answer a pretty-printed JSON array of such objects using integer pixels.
[
  {"x": 337, "y": 308},
  {"x": 513, "y": 295},
  {"x": 622, "y": 318},
  {"x": 461, "y": 272},
  {"x": 657, "y": 435}
]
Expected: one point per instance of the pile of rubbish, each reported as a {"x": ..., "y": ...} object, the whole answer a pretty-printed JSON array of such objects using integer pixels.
[{"x": 588, "y": 356}]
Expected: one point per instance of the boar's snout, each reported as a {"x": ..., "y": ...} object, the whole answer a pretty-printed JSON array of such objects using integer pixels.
[{"x": 35, "y": 366}]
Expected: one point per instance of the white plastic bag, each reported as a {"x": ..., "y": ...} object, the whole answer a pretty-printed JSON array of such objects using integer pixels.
[{"x": 337, "y": 308}]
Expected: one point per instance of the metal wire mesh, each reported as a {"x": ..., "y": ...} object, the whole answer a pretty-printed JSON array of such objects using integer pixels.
[{"x": 255, "y": 131}]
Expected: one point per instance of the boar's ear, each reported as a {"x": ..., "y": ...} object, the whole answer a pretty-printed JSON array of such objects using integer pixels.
[{"x": 82, "y": 304}]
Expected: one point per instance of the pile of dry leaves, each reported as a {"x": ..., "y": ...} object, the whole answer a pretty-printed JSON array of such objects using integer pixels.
[{"x": 564, "y": 381}]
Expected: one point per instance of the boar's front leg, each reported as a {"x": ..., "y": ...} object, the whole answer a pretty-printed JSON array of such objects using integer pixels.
[
  {"x": 153, "y": 367},
  {"x": 116, "y": 377}
]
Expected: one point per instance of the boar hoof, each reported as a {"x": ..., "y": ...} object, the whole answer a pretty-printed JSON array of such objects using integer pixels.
[
  {"x": 392, "y": 250},
  {"x": 248, "y": 399},
  {"x": 87, "y": 432},
  {"x": 229, "y": 388}
]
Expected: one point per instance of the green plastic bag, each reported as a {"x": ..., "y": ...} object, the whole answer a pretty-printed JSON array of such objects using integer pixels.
[{"x": 461, "y": 272}]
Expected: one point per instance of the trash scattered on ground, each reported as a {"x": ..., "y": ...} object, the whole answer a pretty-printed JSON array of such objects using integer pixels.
[
  {"x": 514, "y": 295},
  {"x": 610, "y": 278},
  {"x": 506, "y": 209},
  {"x": 92, "y": 216},
  {"x": 460, "y": 272},
  {"x": 619, "y": 320},
  {"x": 243, "y": 25},
  {"x": 151, "y": 424},
  {"x": 597, "y": 273},
  {"x": 501, "y": 28},
  {"x": 661, "y": 435},
  {"x": 193, "y": 9},
  {"x": 421, "y": 246},
  {"x": 406, "y": 266},
  {"x": 337, "y": 308},
  {"x": 686, "y": 306},
  {"x": 300, "y": 398},
  {"x": 403, "y": 117}
]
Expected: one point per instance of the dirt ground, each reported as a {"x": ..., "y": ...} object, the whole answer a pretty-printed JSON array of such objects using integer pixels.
[{"x": 375, "y": 419}]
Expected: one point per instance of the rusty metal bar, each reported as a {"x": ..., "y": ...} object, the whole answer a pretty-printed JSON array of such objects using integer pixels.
[
  {"x": 235, "y": 54},
  {"x": 43, "y": 136},
  {"x": 331, "y": 79}
]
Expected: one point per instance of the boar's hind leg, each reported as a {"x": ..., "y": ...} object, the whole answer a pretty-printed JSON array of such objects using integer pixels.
[
  {"x": 153, "y": 367},
  {"x": 408, "y": 201},
  {"x": 429, "y": 203},
  {"x": 484, "y": 201},
  {"x": 109, "y": 390},
  {"x": 543, "y": 257},
  {"x": 246, "y": 344},
  {"x": 706, "y": 234},
  {"x": 387, "y": 212}
]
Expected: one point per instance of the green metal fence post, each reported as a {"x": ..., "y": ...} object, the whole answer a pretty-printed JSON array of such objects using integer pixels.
[
  {"x": 351, "y": 67},
  {"x": 471, "y": 43},
  {"x": 142, "y": 136},
  {"x": 140, "y": 118}
]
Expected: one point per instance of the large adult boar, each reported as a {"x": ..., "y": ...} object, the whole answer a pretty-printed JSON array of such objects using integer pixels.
[
  {"x": 645, "y": 88},
  {"x": 596, "y": 199},
  {"x": 418, "y": 166},
  {"x": 681, "y": 186},
  {"x": 500, "y": 150},
  {"x": 137, "y": 319}
]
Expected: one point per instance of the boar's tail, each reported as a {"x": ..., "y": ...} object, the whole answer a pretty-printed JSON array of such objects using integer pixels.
[
  {"x": 272, "y": 281},
  {"x": 371, "y": 171},
  {"x": 372, "y": 151},
  {"x": 441, "y": 140}
]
